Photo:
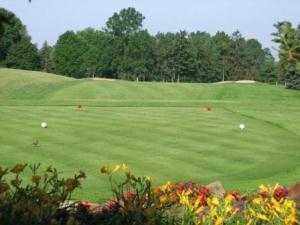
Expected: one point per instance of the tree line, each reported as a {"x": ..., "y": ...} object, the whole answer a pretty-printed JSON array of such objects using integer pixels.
[{"x": 125, "y": 50}]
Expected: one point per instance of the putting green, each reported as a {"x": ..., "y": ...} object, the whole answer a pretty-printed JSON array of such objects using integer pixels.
[{"x": 158, "y": 129}]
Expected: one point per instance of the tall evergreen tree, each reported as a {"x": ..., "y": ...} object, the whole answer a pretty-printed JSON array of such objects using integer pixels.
[
  {"x": 237, "y": 57},
  {"x": 46, "y": 58}
]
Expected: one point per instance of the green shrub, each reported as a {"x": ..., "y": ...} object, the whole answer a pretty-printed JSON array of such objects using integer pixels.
[{"x": 39, "y": 201}]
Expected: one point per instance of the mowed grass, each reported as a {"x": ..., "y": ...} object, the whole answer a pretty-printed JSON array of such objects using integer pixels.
[{"x": 159, "y": 129}]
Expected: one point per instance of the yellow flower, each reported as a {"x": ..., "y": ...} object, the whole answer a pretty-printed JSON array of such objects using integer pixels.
[
  {"x": 163, "y": 199},
  {"x": 289, "y": 204},
  {"x": 213, "y": 212},
  {"x": 117, "y": 168},
  {"x": 219, "y": 221},
  {"x": 184, "y": 200},
  {"x": 167, "y": 186},
  {"x": 150, "y": 179},
  {"x": 257, "y": 201},
  {"x": 215, "y": 201},
  {"x": 125, "y": 168},
  {"x": 200, "y": 209},
  {"x": 291, "y": 220},
  {"x": 262, "y": 217},
  {"x": 250, "y": 222},
  {"x": 229, "y": 198},
  {"x": 228, "y": 209},
  {"x": 263, "y": 188},
  {"x": 252, "y": 212}
]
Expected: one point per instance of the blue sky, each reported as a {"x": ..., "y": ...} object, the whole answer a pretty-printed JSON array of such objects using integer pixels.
[{"x": 47, "y": 19}]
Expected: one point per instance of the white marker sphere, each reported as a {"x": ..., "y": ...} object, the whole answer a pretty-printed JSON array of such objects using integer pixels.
[
  {"x": 44, "y": 125},
  {"x": 242, "y": 126}
]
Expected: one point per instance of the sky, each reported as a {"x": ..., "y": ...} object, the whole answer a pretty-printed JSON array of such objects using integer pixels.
[{"x": 47, "y": 19}]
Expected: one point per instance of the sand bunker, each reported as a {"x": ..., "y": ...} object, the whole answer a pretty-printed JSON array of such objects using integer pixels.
[{"x": 238, "y": 82}]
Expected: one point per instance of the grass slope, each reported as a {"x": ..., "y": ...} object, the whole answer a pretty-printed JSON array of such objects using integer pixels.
[{"x": 159, "y": 129}]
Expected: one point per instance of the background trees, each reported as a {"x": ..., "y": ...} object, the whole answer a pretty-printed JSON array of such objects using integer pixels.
[{"x": 124, "y": 50}]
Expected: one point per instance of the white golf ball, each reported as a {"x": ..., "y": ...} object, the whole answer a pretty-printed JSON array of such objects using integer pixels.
[
  {"x": 44, "y": 125},
  {"x": 242, "y": 126}
]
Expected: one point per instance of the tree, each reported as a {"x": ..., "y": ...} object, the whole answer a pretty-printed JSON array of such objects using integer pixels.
[
  {"x": 254, "y": 59},
  {"x": 269, "y": 69},
  {"x": 137, "y": 60},
  {"x": 288, "y": 39},
  {"x": 96, "y": 58},
  {"x": 237, "y": 57},
  {"x": 221, "y": 44},
  {"x": 11, "y": 32},
  {"x": 183, "y": 62},
  {"x": 46, "y": 58},
  {"x": 23, "y": 55},
  {"x": 68, "y": 55},
  {"x": 162, "y": 49},
  {"x": 202, "y": 52},
  {"x": 126, "y": 22}
]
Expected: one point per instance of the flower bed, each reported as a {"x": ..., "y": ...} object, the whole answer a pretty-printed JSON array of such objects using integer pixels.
[{"x": 136, "y": 201}]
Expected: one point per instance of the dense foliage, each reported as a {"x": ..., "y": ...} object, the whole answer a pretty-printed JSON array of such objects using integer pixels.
[{"x": 124, "y": 50}]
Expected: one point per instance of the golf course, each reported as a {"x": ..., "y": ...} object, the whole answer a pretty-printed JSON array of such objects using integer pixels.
[{"x": 163, "y": 130}]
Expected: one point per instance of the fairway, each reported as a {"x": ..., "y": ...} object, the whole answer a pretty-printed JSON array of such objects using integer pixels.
[{"x": 159, "y": 129}]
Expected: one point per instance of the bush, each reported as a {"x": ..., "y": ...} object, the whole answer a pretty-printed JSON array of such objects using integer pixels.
[{"x": 38, "y": 201}]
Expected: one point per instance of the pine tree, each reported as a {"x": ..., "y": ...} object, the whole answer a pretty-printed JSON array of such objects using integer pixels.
[{"x": 45, "y": 58}]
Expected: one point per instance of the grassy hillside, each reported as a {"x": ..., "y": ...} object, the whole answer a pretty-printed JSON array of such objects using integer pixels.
[{"x": 159, "y": 129}]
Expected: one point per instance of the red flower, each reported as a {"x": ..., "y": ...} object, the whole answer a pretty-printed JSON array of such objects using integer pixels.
[
  {"x": 111, "y": 205},
  {"x": 263, "y": 194},
  {"x": 280, "y": 193},
  {"x": 129, "y": 196},
  {"x": 85, "y": 204},
  {"x": 204, "y": 191},
  {"x": 179, "y": 188},
  {"x": 202, "y": 198},
  {"x": 236, "y": 195},
  {"x": 191, "y": 186}
]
